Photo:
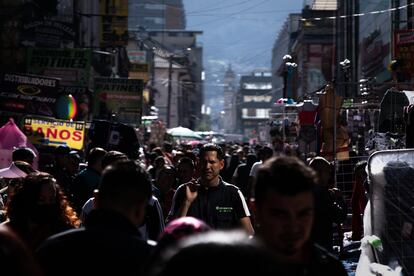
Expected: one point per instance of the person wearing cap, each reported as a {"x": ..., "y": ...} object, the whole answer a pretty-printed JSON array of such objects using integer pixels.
[
  {"x": 22, "y": 160},
  {"x": 19, "y": 154},
  {"x": 24, "y": 154},
  {"x": 12, "y": 178}
]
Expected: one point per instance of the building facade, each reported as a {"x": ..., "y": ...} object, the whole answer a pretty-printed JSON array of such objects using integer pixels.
[
  {"x": 182, "y": 78},
  {"x": 313, "y": 51},
  {"x": 255, "y": 93},
  {"x": 156, "y": 14},
  {"x": 230, "y": 101},
  {"x": 310, "y": 43}
]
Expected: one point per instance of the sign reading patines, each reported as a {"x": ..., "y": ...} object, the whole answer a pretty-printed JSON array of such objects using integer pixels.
[
  {"x": 121, "y": 97},
  {"x": 71, "y": 65}
]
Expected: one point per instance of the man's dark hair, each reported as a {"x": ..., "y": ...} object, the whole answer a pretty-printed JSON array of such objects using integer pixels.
[
  {"x": 95, "y": 155},
  {"x": 168, "y": 147},
  {"x": 285, "y": 175},
  {"x": 125, "y": 184},
  {"x": 23, "y": 154},
  {"x": 212, "y": 147},
  {"x": 62, "y": 150},
  {"x": 113, "y": 156},
  {"x": 265, "y": 153},
  {"x": 186, "y": 161},
  {"x": 231, "y": 251}
]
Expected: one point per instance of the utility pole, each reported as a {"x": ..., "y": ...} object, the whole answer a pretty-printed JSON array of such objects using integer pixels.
[
  {"x": 169, "y": 90},
  {"x": 160, "y": 50}
]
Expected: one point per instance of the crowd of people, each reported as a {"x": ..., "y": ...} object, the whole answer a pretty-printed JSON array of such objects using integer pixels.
[{"x": 219, "y": 209}]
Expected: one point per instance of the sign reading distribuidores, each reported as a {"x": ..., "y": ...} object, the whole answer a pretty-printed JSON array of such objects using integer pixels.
[
  {"x": 53, "y": 132},
  {"x": 72, "y": 66},
  {"x": 121, "y": 97},
  {"x": 29, "y": 94}
]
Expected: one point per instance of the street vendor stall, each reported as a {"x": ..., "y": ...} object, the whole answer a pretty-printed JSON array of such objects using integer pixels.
[{"x": 388, "y": 243}]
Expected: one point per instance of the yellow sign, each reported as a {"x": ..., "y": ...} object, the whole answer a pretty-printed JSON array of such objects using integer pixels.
[
  {"x": 143, "y": 67},
  {"x": 54, "y": 132},
  {"x": 139, "y": 75},
  {"x": 114, "y": 22},
  {"x": 139, "y": 71}
]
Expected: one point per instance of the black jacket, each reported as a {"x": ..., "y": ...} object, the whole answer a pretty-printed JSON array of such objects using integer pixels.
[
  {"x": 328, "y": 210},
  {"x": 322, "y": 263},
  {"x": 108, "y": 245}
]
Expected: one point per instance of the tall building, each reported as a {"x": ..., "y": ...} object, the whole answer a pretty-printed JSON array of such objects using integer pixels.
[
  {"x": 156, "y": 14},
  {"x": 322, "y": 4},
  {"x": 310, "y": 43},
  {"x": 375, "y": 41},
  {"x": 255, "y": 94},
  {"x": 230, "y": 101},
  {"x": 313, "y": 51}
]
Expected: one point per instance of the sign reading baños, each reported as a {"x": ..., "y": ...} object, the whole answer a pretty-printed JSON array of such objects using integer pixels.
[{"x": 53, "y": 132}]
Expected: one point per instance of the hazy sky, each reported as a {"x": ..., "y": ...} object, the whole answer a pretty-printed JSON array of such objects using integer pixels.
[{"x": 241, "y": 32}]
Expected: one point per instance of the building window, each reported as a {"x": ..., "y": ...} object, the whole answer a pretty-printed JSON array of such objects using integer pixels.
[
  {"x": 262, "y": 113},
  {"x": 248, "y": 112},
  {"x": 257, "y": 86},
  {"x": 159, "y": 7},
  {"x": 154, "y": 20},
  {"x": 257, "y": 98},
  {"x": 255, "y": 113}
]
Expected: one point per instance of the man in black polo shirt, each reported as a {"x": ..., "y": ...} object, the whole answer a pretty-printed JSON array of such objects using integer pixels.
[{"x": 209, "y": 198}]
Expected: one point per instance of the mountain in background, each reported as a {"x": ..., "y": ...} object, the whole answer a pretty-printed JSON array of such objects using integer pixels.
[{"x": 236, "y": 32}]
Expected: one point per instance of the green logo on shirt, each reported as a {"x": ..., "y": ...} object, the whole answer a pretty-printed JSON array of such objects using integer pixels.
[{"x": 224, "y": 209}]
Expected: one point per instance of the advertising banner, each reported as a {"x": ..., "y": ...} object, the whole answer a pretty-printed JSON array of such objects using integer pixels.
[
  {"x": 121, "y": 97},
  {"x": 71, "y": 65},
  {"x": 404, "y": 51},
  {"x": 53, "y": 132},
  {"x": 114, "y": 22},
  {"x": 137, "y": 56},
  {"x": 48, "y": 32},
  {"x": 28, "y": 94},
  {"x": 139, "y": 71}
]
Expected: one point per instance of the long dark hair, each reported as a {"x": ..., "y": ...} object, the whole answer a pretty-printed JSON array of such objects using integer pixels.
[{"x": 25, "y": 199}]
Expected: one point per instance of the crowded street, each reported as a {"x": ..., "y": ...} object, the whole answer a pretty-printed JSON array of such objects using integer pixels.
[{"x": 183, "y": 137}]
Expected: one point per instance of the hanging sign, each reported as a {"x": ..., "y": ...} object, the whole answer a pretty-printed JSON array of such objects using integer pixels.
[{"x": 53, "y": 132}]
